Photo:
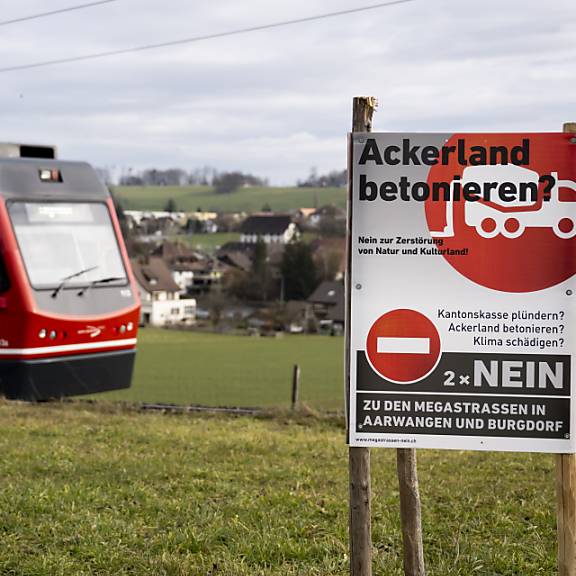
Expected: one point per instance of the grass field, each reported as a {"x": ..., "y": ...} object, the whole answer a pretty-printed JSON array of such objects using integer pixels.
[
  {"x": 206, "y": 242},
  {"x": 211, "y": 242},
  {"x": 191, "y": 198},
  {"x": 222, "y": 370},
  {"x": 101, "y": 491}
]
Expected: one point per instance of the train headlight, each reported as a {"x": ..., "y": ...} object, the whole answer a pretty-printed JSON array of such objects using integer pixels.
[
  {"x": 42, "y": 333},
  {"x": 122, "y": 329},
  {"x": 50, "y": 175},
  {"x": 53, "y": 335},
  {"x": 130, "y": 326}
]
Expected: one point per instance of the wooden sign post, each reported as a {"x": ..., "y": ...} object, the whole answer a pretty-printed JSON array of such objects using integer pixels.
[
  {"x": 566, "y": 493},
  {"x": 359, "y": 463},
  {"x": 410, "y": 514},
  {"x": 359, "y": 458}
]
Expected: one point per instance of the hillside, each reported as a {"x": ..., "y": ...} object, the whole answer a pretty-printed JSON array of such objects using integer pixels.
[
  {"x": 191, "y": 198},
  {"x": 99, "y": 490}
]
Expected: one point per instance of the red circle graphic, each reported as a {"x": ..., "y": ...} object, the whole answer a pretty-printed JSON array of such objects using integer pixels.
[{"x": 517, "y": 246}]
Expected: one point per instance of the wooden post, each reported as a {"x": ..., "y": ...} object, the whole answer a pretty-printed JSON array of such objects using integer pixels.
[
  {"x": 295, "y": 385},
  {"x": 359, "y": 458},
  {"x": 566, "y": 493},
  {"x": 360, "y": 512},
  {"x": 410, "y": 515},
  {"x": 360, "y": 494},
  {"x": 566, "y": 505}
]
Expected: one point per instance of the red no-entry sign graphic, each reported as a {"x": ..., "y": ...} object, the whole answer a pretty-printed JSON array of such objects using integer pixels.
[{"x": 403, "y": 346}]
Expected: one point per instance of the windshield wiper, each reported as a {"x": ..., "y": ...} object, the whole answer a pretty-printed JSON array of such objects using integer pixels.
[
  {"x": 65, "y": 280},
  {"x": 100, "y": 281}
]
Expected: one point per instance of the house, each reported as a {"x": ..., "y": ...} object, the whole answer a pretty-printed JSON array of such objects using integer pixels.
[
  {"x": 304, "y": 213},
  {"x": 199, "y": 276},
  {"x": 329, "y": 216},
  {"x": 202, "y": 223},
  {"x": 138, "y": 215},
  {"x": 236, "y": 247},
  {"x": 327, "y": 304},
  {"x": 160, "y": 295},
  {"x": 192, "y": 270},
  {"x": 177, "y": 257},
  {"x": 237, "y": 260},
  {"x": 175, "y": 252},
  {"x": 155, "y": 223},
  {"x": 270, "y": 228},
  {"x": 301, "y": 216}
]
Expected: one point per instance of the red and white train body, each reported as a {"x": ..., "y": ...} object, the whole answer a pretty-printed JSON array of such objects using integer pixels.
[{"x": 69, "y": 305}]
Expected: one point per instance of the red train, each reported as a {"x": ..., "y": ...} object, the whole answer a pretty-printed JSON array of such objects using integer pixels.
[{"x": 69, "y": 306}]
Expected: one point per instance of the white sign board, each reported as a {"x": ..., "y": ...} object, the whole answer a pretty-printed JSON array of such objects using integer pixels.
[{"x": 461, "y": 281}]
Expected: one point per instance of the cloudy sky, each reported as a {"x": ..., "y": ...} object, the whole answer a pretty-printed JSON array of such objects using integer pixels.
[{"x": 277, "y": 102}]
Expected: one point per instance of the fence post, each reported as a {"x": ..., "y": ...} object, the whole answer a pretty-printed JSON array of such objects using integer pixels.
[{"x": 295, "y": 386}]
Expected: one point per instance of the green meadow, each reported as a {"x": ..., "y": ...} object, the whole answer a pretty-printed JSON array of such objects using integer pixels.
[
  {"x": 206, "y": 242},
  {"x": 104, "y": 490},
  {"x": 211, "y": 242},
  {"x": 192, "y": 198},
  {"x": 223, "y": 370}
]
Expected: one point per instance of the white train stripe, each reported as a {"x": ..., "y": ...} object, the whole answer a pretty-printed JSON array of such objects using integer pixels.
[
  {"x": 67, "y": 348},
  {"x": 389, "y": 345}
]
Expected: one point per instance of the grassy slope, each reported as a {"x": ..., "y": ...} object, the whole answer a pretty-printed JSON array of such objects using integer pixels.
[
  {"x": 190, "y": 198},
  {"x": 86, "y": 492},
  {"x": 214, "y": 369}
]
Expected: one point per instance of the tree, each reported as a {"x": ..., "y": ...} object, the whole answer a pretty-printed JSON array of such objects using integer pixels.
[
  {"x": 201, "y": 176},
  {"x": 258, "y": 283},
  {"x": 330, "y": 226},
  {"x": 170, "y": 205},
  {"x": 216, "y": 304},
  {"x": 227, "y": 182},
  {"x": 298, "y": 271},
  {"x": 260, "y": 277},
  {"x": 131, "y": 180},
  {"x": 119, "y": 207},
  {"x": 328, "y": 262},
  {"x": 103, "y": 175},
  {"x": 334, "y": 179}
]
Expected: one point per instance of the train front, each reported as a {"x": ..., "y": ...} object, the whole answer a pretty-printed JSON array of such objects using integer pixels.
[{"x": 69, "y": 306}]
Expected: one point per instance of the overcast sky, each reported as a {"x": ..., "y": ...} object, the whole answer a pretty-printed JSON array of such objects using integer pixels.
[{"x": 278, "y": 102}]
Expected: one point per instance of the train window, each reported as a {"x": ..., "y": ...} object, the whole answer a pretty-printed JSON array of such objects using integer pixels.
[
  {"x": 61, "y": 241},
  {"x": 4, "y": 281}
]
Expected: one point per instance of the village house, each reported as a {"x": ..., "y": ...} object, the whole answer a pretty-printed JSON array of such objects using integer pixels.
[
  {"x": 269, "y": 228},
  {"x": 201, "y": 223},
  {"x": 147, "y": 223},
  {"x": 326, "y": 214},
  {"x": 160, "y": 295},
  {"x": 327, "y": 304},
  {"x": 194, "y": 271}
]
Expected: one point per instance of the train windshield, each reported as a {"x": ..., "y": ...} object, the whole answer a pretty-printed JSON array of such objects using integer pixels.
[{"x": 73, "y": 243}]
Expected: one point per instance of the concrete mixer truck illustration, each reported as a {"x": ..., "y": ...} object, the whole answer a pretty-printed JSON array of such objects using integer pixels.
[{"x": 521, "y": 211}]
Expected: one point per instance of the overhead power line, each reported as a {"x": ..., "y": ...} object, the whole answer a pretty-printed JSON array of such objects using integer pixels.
[
  {"x": 54, "y": 12},
  {"x": 193, "y": 39}
]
